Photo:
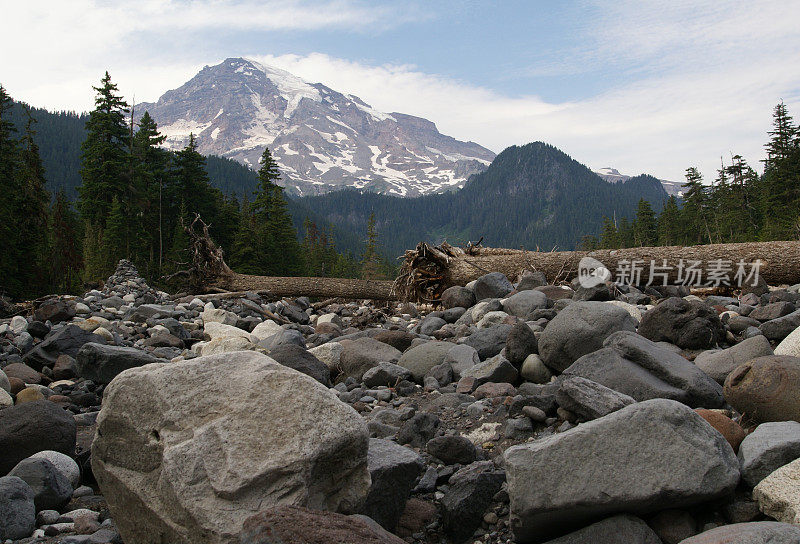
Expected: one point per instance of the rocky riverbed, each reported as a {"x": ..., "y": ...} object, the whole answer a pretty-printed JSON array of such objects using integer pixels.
[{"x": 519, "y": 412}]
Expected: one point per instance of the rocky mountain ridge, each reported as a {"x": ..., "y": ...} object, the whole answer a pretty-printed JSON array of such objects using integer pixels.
[{"x": 612, "y": 175}]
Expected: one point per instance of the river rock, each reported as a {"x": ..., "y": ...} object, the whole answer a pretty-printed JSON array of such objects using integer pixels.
[
  {"x": 490, "y": 341},
  {"x": 421, "y": 359},
  {"x": 394, "y": 470},
  {"x": 186, "y": 452},
  {"x": 520, "y": 342},
  {"x": 534, "y": 370},
  {"x": 492, "y": 285},
  {"x": 768, "y": 448},
  {"x": 22, "y": 372},
  {"x": 718, "y": 364},
  {"x": 790, "y": 345},
  {"x": 65, "y": 464},
  {"x": 778, "y": 495},
  {"x": 765, "y": 389},
  {"x": 728, "y": 428},
  {"x": 461, "y": 357},
  {"x": 55, "y": 311},
  {"x": 452, "y": 449},
  {"x": 524, "y": 302},
  {"x": 689, "y": 324},
  {"x": 672, "y": 458},
  {"x": 620, "y": 529},
  {"x": 589, "y": 400},
  {"x": 101, "y": 363},
  {"x": 780, "y": 328},
  {"x": 32, "y": 427},
  {"x": 496, "y": 369},
  {"x": 17, "y": 509},
  {"x": 361, "y": 354},
  {"x": 578, "y": 329},
  {"x": 218, "y": 315},
  {"x": 51, "y": 489},
  {"x": 470, "y": 490},
  {"x": 68, "y": 340},
  {"x": 293, "y": 356},
  {"x": 756, "y": 532},
  {"x": 458, "y": 297},
  {"x": 386, "y": 374}
]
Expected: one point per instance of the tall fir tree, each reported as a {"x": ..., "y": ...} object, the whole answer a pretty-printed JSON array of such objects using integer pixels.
[
  {"x": 9, "y": 186},
  {"x": 645, "y": 232},
  {"x": 65, "y": 258},
  {"x": 669, "y": 223},
  {"x": 370, "y": 261},
  {"x": 695, "y": 209}
]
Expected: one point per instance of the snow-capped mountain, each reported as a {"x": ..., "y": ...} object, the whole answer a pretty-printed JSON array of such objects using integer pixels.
[
  {"x": 612, "y": 175},
  {"x": 322, "y": 139}
]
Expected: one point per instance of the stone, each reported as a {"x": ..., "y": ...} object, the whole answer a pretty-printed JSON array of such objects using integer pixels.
[
  {"x": 789, "y": 345},
  {"x": 421, "y": 359},
  {"x": 599, "y": 292},
  {"x": 386, "y": 374},
  {"x": 492, "y": 285},
  {"x": 771, "y": 311},
  {"x": 394, "y": 470},
  {"x": 32, "y": 427},
  {"x": 732, "y": 431},
  {"x": 22, "y": 372},
  {"x": 524, "y": 302},
  {"x": 764, "y": 389},
  {"x": 534, "y": 370},
  {"x": 68, "y": 340},
  {"x": 5, "y": 384},
  {"x": 65, "y": 367},
  {"x": 265, "y": 329},
  {"x": 17, "y": 509},
  {"x": 452, "y": 449},
  {"x": 30, "y": 394},
  {"x": 329, "y": 353},
  {"x": 633, "y": 365},
  {"x": 490, "y": 341},
  {"x": 51, "y": 489},
  {"x": 101, "y": 363},
  {"x": 293, "y": 356},
  {"x": 361, "y": 354},
  {"x": 673, "y": 526},
  {"x": 672, "y": 459},
  {"x": 225, "y": 344},
  {"x": 460, "y": 358},
  {"x": 418, "y": 430},
  {"x": 491, "y": 319},
  {"x": 469, "y": 493},
  {"x": 578, "y": 329},
  {"x": 757, "y": 532},
  {"x": 216, "y": 329},
  {"x": 6, "y": 400},
  {"x": 297, "y": 525},
  {"x": 55, "y": 311},
  {"x": 689, "y": 324},
  {"x": 780, "y": 328},
  {"x": 589, "y": 400},
  {"x": 195, "y": 447},
  {"x": 632, "y": 309},
  {"x": 481, "y": 309},
  {"x": 620, "y": 529},
  {"x": 283, "y": 336},
  {"x": 431, "y": 324},
  {"x": 778, "y": 495},
  {"x": 457, "y": 296},
  {"x": 497, "y": 370},
  {"x": 520, "y": 343},
  {"x": 719, "y": 364},
  {"x": 493, "y": 390},
  {"x": 417, "y": 515},
  {"x": 530, "y": 279},
  {"x": 217, "y": 315},
  {"x": 769, "y": 447},
  {"x": 400, "y": 340}
]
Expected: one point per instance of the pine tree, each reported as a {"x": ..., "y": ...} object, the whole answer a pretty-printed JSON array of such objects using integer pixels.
[
  {"x": 644, "y": 229},
  {"x": 104, "y": 154},
  {"x": 9, "y": 186},
  {"x": 609, "y": 238},
  {"x": 192, "y": 182},
  {"x": 783, "y": 135},
  {"x": 64, "y": 252},
  {"x": 284, "y": 237},
  {"x": 780, "y": 185},
  {"x": 370, "y": 260},
  {"x": 669, "y": 227},
  {"x": 695, "y": 209}
]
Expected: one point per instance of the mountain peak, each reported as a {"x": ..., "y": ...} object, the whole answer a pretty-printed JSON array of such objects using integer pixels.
[{"x": 322, "y": 139}]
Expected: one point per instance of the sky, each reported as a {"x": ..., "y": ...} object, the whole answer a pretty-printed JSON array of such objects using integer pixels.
[{"x": 641, "y": 86}]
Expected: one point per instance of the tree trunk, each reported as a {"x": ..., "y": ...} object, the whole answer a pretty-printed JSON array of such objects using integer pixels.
[
  {"x": 429, "y": 270},
  {"x": 310, "y": 287}
]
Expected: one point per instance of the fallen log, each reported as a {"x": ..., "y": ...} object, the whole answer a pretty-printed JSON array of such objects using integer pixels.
[
  {"x": 210, "y": 273},
  {"x": 428, "y": 270}
]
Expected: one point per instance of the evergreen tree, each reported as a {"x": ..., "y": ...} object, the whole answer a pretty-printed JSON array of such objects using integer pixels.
[
  {"x": 9, "y": 185},
  {"x": 370, "y": 260},
  {"x": 284, "y": 237},
  {"x": 780, "y": 185},
  {"x": 64, "y": 252},
  {"x": 694, "y": 215},
  {"x": 193, "y": 185},
  {"x": 784, "y": 135},
  {"x": 609, "y": 238},
  {"x": 669, "y": 223},
  {"x": 644, "y": 229},
  {"x": 104, "y": 156}
]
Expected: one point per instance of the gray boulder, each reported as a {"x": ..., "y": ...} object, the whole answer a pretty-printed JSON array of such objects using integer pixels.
[
  {"x": 394, "y": 470},
  {"x": 578, "y": 329},
  {"x": 31, "y": 427},
  {"x": 780, "y": 328},
  {"x": 524, "y": 302},
  {"x": 531, "y": 280},
  {"x": 460, "y": 358},
  {"x": 422, "y": 358},
  {"x": 635, "y": 366},
  {"x": 689, "y": 324},
  {"x": 492, "y": 285},
  {"x": 67, "y": 340},
  {"x": 620, "y": 529},
  {"x": 196, "y": 447},
  {"x": 361, "y": 354},
  {"x": 457, "y": 296},
  {"x": 51, "y": 489},
  {"x": 430, "y": 324},
  {"x": 496, "y": 369},
  {"x": 101, "y": 363},
  {"x": 768, "y": 448},
  {"x": 718, "y": 364},
  {"x": 490, "y": 341},
  {"x": 388, "y": 374},
  {"x": 590, "y": 400},
  {"x": 520, "y": 342},
  {"x": 17, "y": 509},
  {"x": 756, "y": 532},
  {"x": 470, "y": 490},
  {"x": 646, "y": 457},
  {"x": 283, "y": 337},
  {"x": 452, "y": 449},
  {"x": 293, "y": 356}
]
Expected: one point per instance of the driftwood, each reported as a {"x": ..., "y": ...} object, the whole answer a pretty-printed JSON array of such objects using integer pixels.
[
  {"x": 428, "y": 270},
  {"x": 210, "y": 273}
]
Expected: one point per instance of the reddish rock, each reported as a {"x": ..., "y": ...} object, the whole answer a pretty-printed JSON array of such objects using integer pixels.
[
  {"x": 466, "y": 385},
  {"x": 492, "y": 390},
  {"x": 23, "y": 372},
  {"x": 59, "y": 399},
  {"x": 765, "y": 389},
  {"x": 416, "y": 516},
  {"x": 297, "y": 525},
  {"x": 85, "y": 525},
  {"x": 728, "y": 428},
  {"x": 17, "y": 385},
  {"x": 328, "y": 328},
  {"x": 65, "y": 368},
  {"x": 399, "y": 340}
]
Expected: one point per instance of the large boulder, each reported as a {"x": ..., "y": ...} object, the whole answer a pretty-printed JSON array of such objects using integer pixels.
[
  {"x": 718, "y": 364},
  {"x": 524, "y": 302},
  {"x": 361, "y": 354},
  {"x": 768, "y": 448},
  {"x": 490, "y": 341},
  {"x": 578, "y": 329},
  {"x": 101, "y": 363},
  {"x": 185, "y": 452},
  {"x": 394, "y": 470},
  {"x": 67, "y": 340},
  {"x": 765, "y": 389},
  {"x": 780, "y": 328},
  {"x": 643, "y": 458},
  {"x": 778, "y": 495},
  {"x": 520, "y": 342},
  {"x": 295, "y": 357},
  {"x": 492, "y": 285},
  {"x": 755, "y": 532},
  {"x": 590, "y": 400},
  {"x": 297, "y": 525},
  {"x": 32, "y": 427},
  {"x": 51, "y": 489},
  {"x": 470, "y": 490},
  {"x": 458, "y": 297},
  {"x": 633, "y": 365},
  {"x": 55, "y": 311},
  {"x": 689, "y": 324},
  {"x": 420, "y": 359},
  {"x": 17, "y": 509},
  {"x": 620, "y": 529}
]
